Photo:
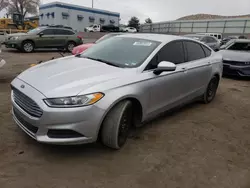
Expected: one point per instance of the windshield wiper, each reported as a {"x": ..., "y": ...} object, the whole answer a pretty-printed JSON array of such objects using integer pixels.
[{"x": 103, "y": 61}]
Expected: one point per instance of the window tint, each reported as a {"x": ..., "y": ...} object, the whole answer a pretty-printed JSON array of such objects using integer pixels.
[
  {"x": 194, "y": 51},
  {"x": 48, "y": 32},
  {"x": 210, "y": 40},
  {"x": 172, "y": 52},
  {"x": 240, "y": 46},
  {"x": 219, "y": 36},
  {"x": 206, "y": 50},
  {"x": 63, "y": 32}
]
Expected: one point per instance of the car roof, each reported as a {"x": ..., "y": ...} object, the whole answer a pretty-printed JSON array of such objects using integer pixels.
[{"x": 154, "y": 37}]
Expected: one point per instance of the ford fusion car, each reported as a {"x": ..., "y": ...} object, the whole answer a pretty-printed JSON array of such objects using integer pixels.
[
  {"x": 236, "y": 58},
  {"x": 111, "y": 87}
]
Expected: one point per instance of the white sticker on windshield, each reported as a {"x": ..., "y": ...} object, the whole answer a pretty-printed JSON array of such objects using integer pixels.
[{"x": 142, "y": 44}]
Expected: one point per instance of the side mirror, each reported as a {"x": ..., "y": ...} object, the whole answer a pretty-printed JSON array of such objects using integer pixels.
[
  {"x": 41, "y": 34},
  {"x": 164, "y": 66}
]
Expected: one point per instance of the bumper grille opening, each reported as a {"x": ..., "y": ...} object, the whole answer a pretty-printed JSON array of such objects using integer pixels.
[
  {"x": 63, "y": 133},
  {"x": 27, "y": 125},
  {"x": 26, "y": 103}
]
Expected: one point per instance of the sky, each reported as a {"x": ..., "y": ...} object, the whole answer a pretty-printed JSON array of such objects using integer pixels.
[{"x": 165, "y": 10}]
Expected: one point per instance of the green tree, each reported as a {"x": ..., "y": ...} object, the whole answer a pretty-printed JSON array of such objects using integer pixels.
[
  {"x": 134, "y": 22},
  {"x": 148, "y": 21}
]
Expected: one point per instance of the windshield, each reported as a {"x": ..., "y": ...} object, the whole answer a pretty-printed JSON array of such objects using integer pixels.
[
  {"x": 35, "y": 31},
  {"x": 105, "y": 37},
  {"x": 196, "y": 37},
  {"x": 122, "y": 51}
]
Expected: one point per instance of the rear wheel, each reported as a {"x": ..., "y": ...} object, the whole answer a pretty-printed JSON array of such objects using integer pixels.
[
  {"x": 28, "y": 46},
  {"x": 70, "y": 46},
  {"x": 211, "y": 90},
  {"x": 117, "y": 124}
]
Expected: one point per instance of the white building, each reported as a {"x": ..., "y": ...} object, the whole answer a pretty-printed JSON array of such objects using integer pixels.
[{"x": 77, "y": 17}]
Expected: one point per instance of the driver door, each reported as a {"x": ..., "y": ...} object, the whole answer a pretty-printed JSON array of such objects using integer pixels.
[
  {"x": 45, "y": 40},
  {"x": 166, "y": 89}
]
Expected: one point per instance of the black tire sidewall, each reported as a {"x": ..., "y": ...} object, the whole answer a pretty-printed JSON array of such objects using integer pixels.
[
  {"x": 206, "y": 97},
  {"x": 67, "y": 47}
]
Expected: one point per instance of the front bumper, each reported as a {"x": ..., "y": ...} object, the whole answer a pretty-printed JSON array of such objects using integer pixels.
[
  {"x": 12, "y": 44},
  {"x": 234, "y": 70},
  {"x": 61, "y": 126}
]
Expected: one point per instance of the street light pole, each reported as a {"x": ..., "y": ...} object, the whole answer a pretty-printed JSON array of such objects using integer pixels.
[{"x": 92, "y": 3}]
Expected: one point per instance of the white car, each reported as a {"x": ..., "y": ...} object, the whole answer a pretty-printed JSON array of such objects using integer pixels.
[
  {"x": 236, "y": 57},
  {"x": 130, "y": 29}
]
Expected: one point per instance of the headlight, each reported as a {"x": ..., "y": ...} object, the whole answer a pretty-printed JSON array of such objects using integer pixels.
[
  {"x": 14, "y": 38},
  {"x": 75, "y": 101}
]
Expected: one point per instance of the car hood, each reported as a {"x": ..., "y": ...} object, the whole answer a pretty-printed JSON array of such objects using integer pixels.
[
  {"x": 69, "y": 76},
  {"x": 230, "y": 55}
]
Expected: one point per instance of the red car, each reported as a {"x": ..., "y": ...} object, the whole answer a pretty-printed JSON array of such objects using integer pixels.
[{"x": 81, "y": 48}]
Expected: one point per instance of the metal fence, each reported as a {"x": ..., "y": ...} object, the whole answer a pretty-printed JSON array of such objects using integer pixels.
[{"x": 225, "y": 26}]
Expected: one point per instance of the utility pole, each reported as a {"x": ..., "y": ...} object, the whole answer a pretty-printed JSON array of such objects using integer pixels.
[{"x": 92, "y": 3}]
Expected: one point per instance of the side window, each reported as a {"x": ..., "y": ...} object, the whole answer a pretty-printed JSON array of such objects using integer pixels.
[
  {"x": 48, "y": 32},
  {"x": 211, "y": 40},
  {"x": 204, "y": 39},
  {"x": 206, "y": 50},
  {"x": 240, "y": 46},
  {"x": 194, "y": 51},
  {"x": 172, "y": 52},
  {"x": 219, "y": 37},
  {"x": 63, "y": 32}
]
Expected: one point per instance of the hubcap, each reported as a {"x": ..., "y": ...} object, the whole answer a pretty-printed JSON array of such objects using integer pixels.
[
  {"x": 28, "y": 47},
  {"x": 124, "y": 127},
  {"x": 70, "y": 47}
]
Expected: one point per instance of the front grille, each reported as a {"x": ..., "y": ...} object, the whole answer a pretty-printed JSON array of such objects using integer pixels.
[
  {"x": 237, "y": 63},
  {"x": 26, "y": 103},
  {"x": 27, "y": 125}
]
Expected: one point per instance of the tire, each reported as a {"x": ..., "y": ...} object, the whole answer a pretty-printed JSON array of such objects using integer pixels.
[
  {"x": 211, "y": 90},
  {"x": 28, "y": 46},
  {"x": 70, "y": 46},
  {"x": 117, "y": 124}
]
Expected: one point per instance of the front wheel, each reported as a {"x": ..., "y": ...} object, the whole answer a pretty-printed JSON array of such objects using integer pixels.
[
  {"x": 28, "y": 46},
  {"x": 117, "y": 124},
  {"x": 211, "y": 90}
]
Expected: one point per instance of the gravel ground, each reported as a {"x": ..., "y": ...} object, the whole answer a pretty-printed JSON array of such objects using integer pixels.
[{"x": 197, "y": 146}]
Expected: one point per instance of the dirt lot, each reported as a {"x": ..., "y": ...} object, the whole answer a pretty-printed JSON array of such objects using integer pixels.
[{"x": 204, "y": 146}]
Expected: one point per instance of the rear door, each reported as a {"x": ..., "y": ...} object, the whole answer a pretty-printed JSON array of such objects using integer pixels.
[
  {"x": 62, "y": 37},
  {"x": 197, "y": 69}
]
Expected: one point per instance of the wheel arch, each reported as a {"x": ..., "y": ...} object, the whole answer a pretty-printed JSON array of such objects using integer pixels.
[
  {"x": 137, "y": 105},
  {"x": 29, "y": 40}
]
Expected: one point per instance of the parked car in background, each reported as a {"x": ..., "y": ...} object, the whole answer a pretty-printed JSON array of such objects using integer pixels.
[
  {"x": 216, "y": 35},
  {"x": 211, "y": 41},
  {"x": 227, "y": 39},
  {"x": 130, "y": 30},
  {"x": 115, "y": 85},
  {"x": 45, "y": 37},
  {"x": 236, "y": 57},
  {"x": 100, "y": 28},
  {"x": 81, "y": 48}
]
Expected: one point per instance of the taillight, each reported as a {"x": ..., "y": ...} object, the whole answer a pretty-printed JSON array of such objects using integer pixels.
[{"x": 79, "y": 37}]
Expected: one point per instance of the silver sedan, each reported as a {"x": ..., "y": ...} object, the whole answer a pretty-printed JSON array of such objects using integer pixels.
[{"x": 113, "y": 86}]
